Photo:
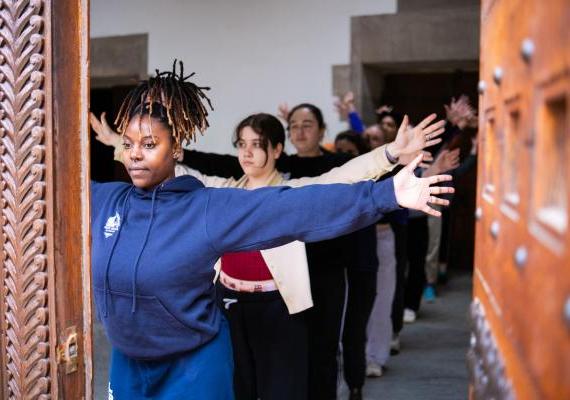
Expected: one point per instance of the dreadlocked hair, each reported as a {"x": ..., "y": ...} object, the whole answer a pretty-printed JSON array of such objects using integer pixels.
[{"x": 171, "y": 98}]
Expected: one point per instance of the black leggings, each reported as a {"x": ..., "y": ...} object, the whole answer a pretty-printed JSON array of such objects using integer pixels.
[
  {"x": 401, "y": 248},
  {"x": 325, "y": 319},
  {"x": 417, "y": 250},
  {"x": 361, "y": 295}
]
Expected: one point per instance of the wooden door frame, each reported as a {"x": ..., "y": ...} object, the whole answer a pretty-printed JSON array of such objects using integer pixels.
[{"x": 44, "y": 172}]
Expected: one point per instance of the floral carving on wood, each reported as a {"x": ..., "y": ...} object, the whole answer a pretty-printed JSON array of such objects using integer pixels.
[{"x": 24, "y": 259}]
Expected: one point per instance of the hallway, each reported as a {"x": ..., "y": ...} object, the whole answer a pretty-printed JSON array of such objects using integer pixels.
[{"x": 431, "y": 365}]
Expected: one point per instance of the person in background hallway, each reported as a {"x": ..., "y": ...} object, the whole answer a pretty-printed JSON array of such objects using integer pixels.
[
  {"x": 361, "y": 274},
  {"x": 363, "y": 278},
  {"x": 327, "y": 260},
  {"x": 459, "y": 115},
  {"x": 381, "y": 328},
  {"x": 418, "y": 240}
]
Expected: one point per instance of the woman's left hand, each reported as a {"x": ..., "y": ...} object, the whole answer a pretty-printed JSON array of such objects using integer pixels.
[{"x": 417, "y": 193}]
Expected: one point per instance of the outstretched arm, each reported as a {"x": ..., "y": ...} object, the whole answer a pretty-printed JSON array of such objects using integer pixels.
[
  {"x": 237, "y": 220},
  {"x": 223, "y": 165},
  {"x": 371, "y": 165}
]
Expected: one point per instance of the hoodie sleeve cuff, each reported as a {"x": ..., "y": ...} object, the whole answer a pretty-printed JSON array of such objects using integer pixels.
[{"x": 384, "y": 196}]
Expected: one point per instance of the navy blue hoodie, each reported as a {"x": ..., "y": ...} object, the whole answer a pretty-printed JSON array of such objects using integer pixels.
[{"x": 153, "y": 252}]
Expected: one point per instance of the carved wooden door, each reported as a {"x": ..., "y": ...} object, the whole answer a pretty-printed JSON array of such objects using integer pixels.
[
  {"x": 44, "y": 243},
  {"x": 520, "y": 344}
]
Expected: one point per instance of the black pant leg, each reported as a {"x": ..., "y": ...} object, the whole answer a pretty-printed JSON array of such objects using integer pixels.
[
  {"x": 444, "y": 244},
  {"x": 244, "y": 365},
  {"x": 401, "y": 243},
  {"x": 417, "y": 250},
  {"x": 325, "y": 319},
  {"x": 361, "y": 295},
  {"x": 280, "y": 348}
]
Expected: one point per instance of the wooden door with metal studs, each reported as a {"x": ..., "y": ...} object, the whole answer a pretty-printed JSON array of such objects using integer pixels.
[{"x": 520, "y": 340}]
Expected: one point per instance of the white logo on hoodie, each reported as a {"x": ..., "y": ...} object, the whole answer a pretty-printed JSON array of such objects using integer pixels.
[{"x": 112, "y": 225}]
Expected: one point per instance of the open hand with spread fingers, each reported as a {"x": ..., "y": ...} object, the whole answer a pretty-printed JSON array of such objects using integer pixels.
[
  {"x": 104, "y": 133},
  {"x": 446, "y": 160},
  {"x": 341, "y": 108},
  {"x": 417, "y": 193},
  {"x": 408, "y": 145},
  {"x": 283, "y": 111},
  {"x": 384, "y": 108},
  {"x": 459, "y": 112}
]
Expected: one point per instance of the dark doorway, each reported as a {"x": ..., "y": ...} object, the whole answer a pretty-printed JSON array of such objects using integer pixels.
[
  {"x": 420, "y": 94},
  {"x": 103, "y": 167}
]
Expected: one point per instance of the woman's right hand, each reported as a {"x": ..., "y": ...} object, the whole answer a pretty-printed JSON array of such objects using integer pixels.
[
  {"x": 283, "y": 111},
  {"x": 104, "y": 133},
  {"x": 417, "y": 193}
]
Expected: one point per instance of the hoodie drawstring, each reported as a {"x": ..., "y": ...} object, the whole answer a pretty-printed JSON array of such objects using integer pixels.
[
  {"x": 115, "y": 241},
  {"x": 136, "y": 266}
]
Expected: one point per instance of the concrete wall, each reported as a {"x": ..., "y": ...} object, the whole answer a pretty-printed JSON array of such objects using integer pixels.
[
  {"x": 417, "y": 5},
  {"x": 431, "y": 39},
  {"x": 118, "y": 60},
  {"x": 435, "y": 35},
  {"x": 253, "y": 53}
]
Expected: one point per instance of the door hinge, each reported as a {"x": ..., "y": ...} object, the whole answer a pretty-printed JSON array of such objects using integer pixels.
[{"x": 67, "y": 350}]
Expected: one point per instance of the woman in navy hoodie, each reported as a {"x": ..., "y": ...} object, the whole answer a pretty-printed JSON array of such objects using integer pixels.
[{"x": 155, "y": 242}]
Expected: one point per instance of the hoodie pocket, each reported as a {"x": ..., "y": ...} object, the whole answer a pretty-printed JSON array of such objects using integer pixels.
[{"x": 150, "y": 332}]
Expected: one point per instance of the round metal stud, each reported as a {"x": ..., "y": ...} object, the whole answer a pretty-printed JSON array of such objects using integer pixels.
[
  {"x": 478, "y": 213},
  {"x": 495, "y": 229},
  {"x": 521, "y": 256},
  {"x": 498, "y": 74},
  {"x": 481, "y": 87},
  {"x": 527, "y": 49},
  {"x": 567, "y": 311}
]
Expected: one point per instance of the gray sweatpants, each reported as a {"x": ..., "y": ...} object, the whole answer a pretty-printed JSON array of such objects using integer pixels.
[{"x": 380, "y": 323}]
